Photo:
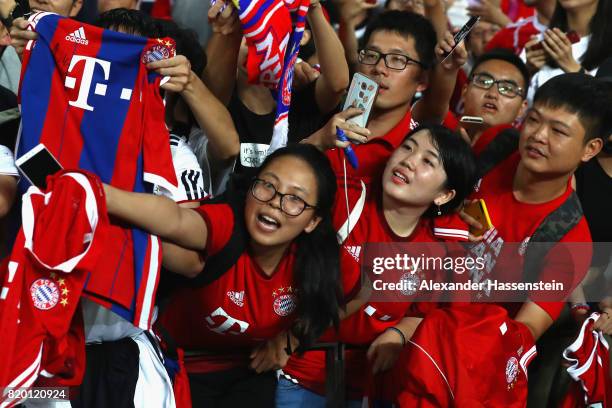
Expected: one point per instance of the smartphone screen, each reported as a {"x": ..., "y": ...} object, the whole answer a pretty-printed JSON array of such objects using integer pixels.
[{"x": 37, "y": 164}]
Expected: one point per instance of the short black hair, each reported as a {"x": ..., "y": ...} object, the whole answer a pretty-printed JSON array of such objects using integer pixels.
[
  {"x": 582, "y": 95},
  {"x": 508, "y": 56},
  {"x": 128, "y": 21},
  {"x": 459, "y": 165},
  {"x": 406, "y": 24}
]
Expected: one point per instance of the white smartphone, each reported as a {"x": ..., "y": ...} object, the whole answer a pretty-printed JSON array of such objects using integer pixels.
[
  {"x": 361, "y": 94},
  {"x": 472, "y": 119},
  {"x": 37, "y": 164}
]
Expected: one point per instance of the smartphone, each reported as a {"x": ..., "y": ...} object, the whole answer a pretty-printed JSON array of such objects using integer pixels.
[
  {"x": 461, "y": 34},
  {"x": 472, "y": 119},
  {"x": 361, "y": 94},
  {"x": 572, "y": 36},
  {"x": 37, "y": 164},
  {"x": 478, "y": 210}
]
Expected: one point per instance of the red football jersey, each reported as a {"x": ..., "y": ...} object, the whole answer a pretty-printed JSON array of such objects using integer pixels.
[
  {"x": 362, "y": 327},
  {"x": 373, "y": 155},
  {"x": 473, "y": 356},
  {"x": 589, "y": 355},
  {"x": 41, "y": 288},
  {"x": 236, "y": 312},
  {"x": 515, "y": 222},
  {"x": 514, "y": 36}
]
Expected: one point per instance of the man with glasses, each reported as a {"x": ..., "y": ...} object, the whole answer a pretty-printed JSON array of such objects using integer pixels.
[
  {"x": 495, "y": 92},
  {"x": 397, "y": 53}
]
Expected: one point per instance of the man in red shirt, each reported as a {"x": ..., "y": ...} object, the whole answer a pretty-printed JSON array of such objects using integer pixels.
[
  {"x": 514, "y": 36},
  {"x": 564, "y": 128},
  {"x": 398, "y": 54}
]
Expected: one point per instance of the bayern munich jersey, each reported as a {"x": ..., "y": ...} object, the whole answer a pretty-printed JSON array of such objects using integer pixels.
[{"x": 87, "y": 96}]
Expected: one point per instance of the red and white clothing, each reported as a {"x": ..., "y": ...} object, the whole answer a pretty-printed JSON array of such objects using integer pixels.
[
  {"x": 359, "y": 220},
  {"x": 589, "y": 356},
  {"x": 236, "y": 312},
  {"x": 40, "y": 317},
  {"x": 372, "y": 156},
  {"x": 466, "y": 356},
  {"x": 515, "y": 222},
  {"x": 514, "y": 36}
]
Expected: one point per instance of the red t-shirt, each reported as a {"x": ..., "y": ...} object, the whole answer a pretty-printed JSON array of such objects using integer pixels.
[
  {"x": 516, "y": 9},
  {"x": 514, "y": 36},
  {"x": 372, "y": 156},
  {"x": 515, "y": 222},
  {"x": 362, "y": 327},
  {"x": 236, "y": 312}
]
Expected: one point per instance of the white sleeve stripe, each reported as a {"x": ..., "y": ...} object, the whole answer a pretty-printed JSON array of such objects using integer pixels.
[{"x": 437, "y": 367}]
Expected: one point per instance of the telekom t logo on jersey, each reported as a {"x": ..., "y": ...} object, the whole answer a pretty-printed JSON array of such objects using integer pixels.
[{"x": 87, "y": 78}]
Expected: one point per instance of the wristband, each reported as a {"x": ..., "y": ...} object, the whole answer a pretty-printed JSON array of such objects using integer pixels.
[{"x": 398, "y": 331}]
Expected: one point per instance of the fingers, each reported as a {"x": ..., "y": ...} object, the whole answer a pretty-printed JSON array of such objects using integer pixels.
[
  {"x": 446, "y": 44},
  {"x": 310, "y": 72},
  {"x": 349, "y": 113},
  {"x": 215, "y": 9}
]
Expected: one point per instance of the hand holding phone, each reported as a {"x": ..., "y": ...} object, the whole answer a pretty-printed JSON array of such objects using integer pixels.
[
  {"x": 477, "y": 209},
  {"x": 361, "y": 95},
  {"x": 572, "y": 36},
  {"x": 37, "y": 164},
  {"x": 348, "y": 150},
  {"x": 461, "y": 34}
]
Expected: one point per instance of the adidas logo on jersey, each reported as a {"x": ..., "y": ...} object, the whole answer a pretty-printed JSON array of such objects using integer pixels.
[
  {"x": 236, "y": 297},
  {"x": 78, "y": 36},
  {"x": 355, "y": 251}
]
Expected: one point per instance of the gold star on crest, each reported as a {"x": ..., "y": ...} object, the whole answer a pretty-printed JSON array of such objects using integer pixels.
[
  {"x": 168, "y": 43},
  {"x": 273, "y": 293},
  {"x": 61, "y": 281},
  {"x": 65, "y": 291},
  {"x": 159, "y": 40},
  {"x": 281, "y": 290},
  {"x": 64, "y": 302}
]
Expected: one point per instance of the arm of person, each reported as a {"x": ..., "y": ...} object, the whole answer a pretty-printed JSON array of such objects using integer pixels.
[
  {"x": 334, "y": 78},
  {"x": 349, "y": 12},
  {"x": 222, "y": 51},
  {"x": 535, "y": 318},
  {"x": 436, "y": 14},
  {"x": 214, "y": 119},
  {"x": 436, "y": 98},
  {"x": 158, "y": 215},
  {"x": 8, "y": 190},
  {"x": 386, "y": 348},
  {"x": 490, "y": 10}
]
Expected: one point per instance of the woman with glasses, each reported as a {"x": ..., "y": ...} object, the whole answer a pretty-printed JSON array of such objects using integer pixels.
[
  {"x": 281, "y": 284},
  {"x": 424, "y": 179}
]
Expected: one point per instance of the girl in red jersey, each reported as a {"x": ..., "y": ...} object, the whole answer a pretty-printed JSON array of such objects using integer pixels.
[
  {"x": 284, "y": 279},
  {"x": 428, "y": 175}
]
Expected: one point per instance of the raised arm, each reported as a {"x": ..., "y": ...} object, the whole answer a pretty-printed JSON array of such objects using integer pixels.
[
  {"x": 434, "y": 104},
  {"x": 158, "y": 215},
  {"x": 222, "y": 51},
  {"x": 334, "y": 78}
]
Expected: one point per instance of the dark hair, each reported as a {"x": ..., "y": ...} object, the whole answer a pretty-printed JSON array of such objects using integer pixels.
[
  {"x": 406, "y": 24},
  {"x": 507, "y": 56},
  {"x": 600, "y": 30},
  {"x": 458, "y": 162},
  {"x": 582, "y": 95},
  {"x": 317, "y": 263},
  {"x": 126, "y": 20}
]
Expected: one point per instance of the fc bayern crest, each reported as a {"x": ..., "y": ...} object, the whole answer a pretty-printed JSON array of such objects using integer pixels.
[
  {"x": 156, "y": 53},
  {"x": 511, "y": 370},
  {"x": 284, "y": 305},
  {"x": 45, "y": 294}
]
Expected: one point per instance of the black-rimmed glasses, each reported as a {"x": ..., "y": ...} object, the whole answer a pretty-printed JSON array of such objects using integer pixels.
[
  {"x": 392, "y": 60},
  {"x": 290, "y": 204},
  {"x": 505, "y": 87}
]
